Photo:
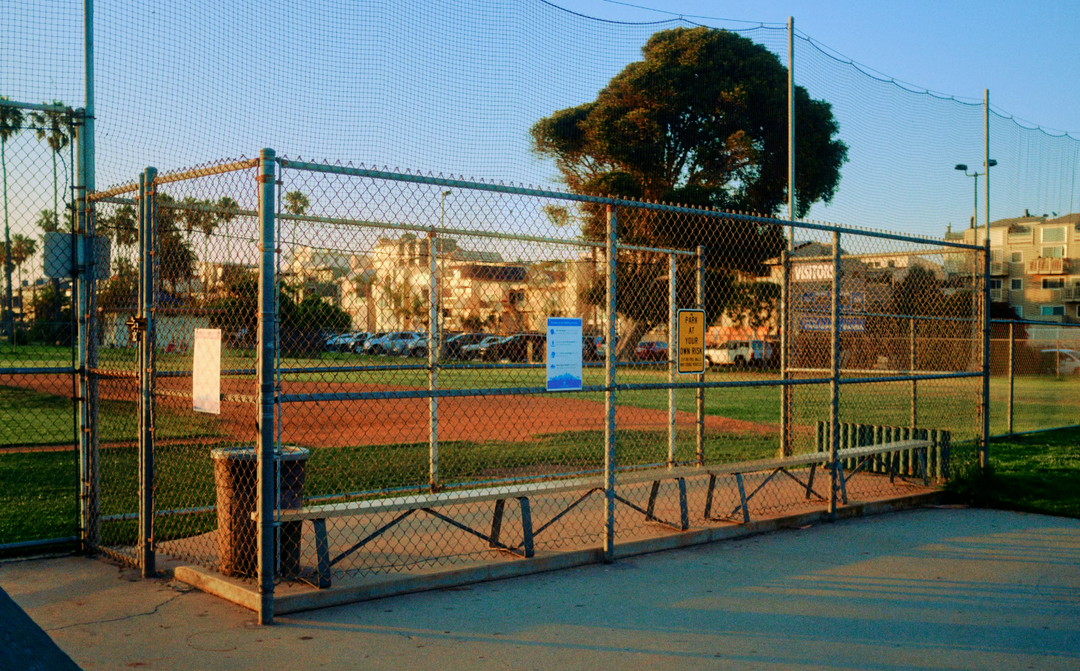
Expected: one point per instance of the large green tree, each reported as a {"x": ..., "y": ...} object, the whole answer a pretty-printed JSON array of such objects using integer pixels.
[
  {"x": 11, "y": 121},
  {"x": 700, "y": 121}
]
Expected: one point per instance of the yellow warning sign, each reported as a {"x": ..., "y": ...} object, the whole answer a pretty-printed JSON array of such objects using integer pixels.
[{"x": 691, "y": 353}]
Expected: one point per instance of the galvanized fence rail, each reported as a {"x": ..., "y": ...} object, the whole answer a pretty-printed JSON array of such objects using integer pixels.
[{"x": 387, "y": 402}]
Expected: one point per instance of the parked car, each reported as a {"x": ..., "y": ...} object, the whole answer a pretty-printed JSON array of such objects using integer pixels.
[
  {"x": 335, "y": 342},
  {"x": 354, "y": 342},
  {"x": 588, "y": 349},
  {"x": 601, "y": 346},
  {"x": 740, "y": 353},
  {"x": 453, "y": 345},
  {"x": 516, "y": 348},
  {"x": 473, "y": 351},
  {"x": 394, "y": 343},
  {"x": 651, "y": 350},
  {"x": 1061, "y": 361},
  {"x": 418, "y": 348}
]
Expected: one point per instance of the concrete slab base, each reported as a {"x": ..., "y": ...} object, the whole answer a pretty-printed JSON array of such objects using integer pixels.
[{"x": 294, "y": 599}]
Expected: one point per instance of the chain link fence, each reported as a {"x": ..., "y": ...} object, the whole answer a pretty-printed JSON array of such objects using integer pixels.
[
  {"x": 406, "y": 410},
  {"x": 1035, "y": 374},
  {"x": 38, "y": 418}
]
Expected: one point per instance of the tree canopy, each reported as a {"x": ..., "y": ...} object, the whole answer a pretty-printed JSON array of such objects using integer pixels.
[{"x": 700, "y": 121}]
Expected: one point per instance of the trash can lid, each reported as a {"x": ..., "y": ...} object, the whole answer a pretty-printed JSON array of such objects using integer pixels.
[{"x": 249, "y": 453}]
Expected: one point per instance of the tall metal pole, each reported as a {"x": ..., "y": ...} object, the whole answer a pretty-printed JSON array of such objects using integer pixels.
[
  {"x": 267, "y": 497},
  {"x": 88, "y": 432},
  {"x": 834, "y": 384},
  {"x": 1012, "y": 371},
  {"x": 984, "y": 453},
  {"x": 148, "y": 267},
  {"x": 82, "y": 278},
  {"x": 914, "y": 358},
  {"x": 785, "y": 344},
  {"x": 433, "y": 363},
  {"x": 785, "y": 298},
  {"x": 673, "y": 325},
  {"x": 609, "y": 394},
  {"x": 700, "y": 453}
]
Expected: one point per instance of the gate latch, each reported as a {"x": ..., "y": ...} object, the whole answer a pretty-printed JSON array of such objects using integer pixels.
[{"x": 137, "y": 326}]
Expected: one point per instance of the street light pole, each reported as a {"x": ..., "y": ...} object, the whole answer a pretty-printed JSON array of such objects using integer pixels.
[{"x": 975, "y": 219}]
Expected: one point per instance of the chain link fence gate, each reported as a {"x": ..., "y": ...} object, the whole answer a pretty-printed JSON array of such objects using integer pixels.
[
  {"x": 39, "y": 328},
  {"x": 385, "y": 364}
]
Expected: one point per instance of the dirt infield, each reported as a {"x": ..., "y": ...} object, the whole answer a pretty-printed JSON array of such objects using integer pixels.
[{"x": 389, "y": 421}]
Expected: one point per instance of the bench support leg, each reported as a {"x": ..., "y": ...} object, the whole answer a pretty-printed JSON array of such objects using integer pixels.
[
  {"x": 843, "y": 482},
  {"x": 709, "y": 495},
  {"x": 742, "y": 498},
  {"x": 496, "y": 524},
  {"x": 649, "y": 517},
  {"x": 526, "y": 526},
  {"x": 322, "y": 554},
  {"x": 810, "y": 481},
  {"x": 684, "y": 512}
]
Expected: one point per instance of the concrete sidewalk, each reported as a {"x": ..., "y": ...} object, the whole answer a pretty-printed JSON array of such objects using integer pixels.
[{"x": 922, "y": 589}]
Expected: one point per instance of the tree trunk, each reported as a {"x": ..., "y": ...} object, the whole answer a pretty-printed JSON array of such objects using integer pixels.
[{"x": 632, "y": 333}]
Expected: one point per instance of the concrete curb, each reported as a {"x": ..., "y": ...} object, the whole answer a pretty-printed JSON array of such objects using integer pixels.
[{"x": 246, "y": 595}]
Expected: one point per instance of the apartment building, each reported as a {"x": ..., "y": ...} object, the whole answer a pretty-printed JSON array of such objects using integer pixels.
[{"x": 1034, "y": 265}]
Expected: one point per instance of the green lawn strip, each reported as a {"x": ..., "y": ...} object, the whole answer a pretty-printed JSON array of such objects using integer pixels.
[
  {"x": 40, "y": 497},
  {"x": 29, "y": 417},
  {"x": 1035, "y": 473},
  {"x": 34, "y": 356}
]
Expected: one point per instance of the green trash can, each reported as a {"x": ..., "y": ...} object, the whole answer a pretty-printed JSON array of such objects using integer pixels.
[{"x": 236, "y": 480}]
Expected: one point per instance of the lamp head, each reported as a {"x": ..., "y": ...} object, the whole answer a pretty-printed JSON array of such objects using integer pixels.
[
  {"x": 992, "y": 163},
  {"x": 961, "y": 166}
]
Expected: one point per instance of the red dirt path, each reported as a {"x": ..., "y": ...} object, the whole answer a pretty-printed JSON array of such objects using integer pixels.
[{"x": 387, "y": 421}]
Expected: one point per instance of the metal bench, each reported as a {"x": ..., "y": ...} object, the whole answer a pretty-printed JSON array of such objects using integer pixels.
[{"x": 428, "y": 502}]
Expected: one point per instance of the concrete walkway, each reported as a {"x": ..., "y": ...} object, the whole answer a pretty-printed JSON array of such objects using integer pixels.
[{"x": 922, "y": 589}]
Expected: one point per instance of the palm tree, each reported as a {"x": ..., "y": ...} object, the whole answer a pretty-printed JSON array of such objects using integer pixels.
[
  {"x": 11, "y": 119},
  {"x": 57, "y": 130},
  {"x": 23, "y": 249}
]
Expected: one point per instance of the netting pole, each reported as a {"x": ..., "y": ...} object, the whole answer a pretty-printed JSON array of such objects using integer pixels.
[
  {"x": 672, "y": 344},
  {"x": 267, "y": 496},
  {"x": 785, "y": 287},
  {"x": 609, "y": 393},
  {"x": 984, "y": 453},
  {"x": 785, "y": 343},
  {"x": 914, "y": 383},
  {"x": 834, "y": 384},
  {"x": 433, "y": 364},
  {"x": 148, "y": 261},
  {"x": 700, "y": 304},
  {"x": 1012, "y": 371},
  {"x": 84, "y": 278}
]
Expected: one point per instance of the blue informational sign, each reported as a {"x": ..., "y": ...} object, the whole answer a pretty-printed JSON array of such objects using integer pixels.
[
  {"x": 564, "y": 354},
  {"x": 847, "y": 324}
]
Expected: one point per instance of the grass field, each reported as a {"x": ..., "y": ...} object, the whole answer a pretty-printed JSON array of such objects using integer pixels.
[{"x": 1037, "y": 473}]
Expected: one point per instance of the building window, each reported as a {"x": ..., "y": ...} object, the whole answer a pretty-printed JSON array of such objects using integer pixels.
[
  {"x": 1057, "y": 252},
  {"x": 1052, "y": 310},
  {"x": 1016, "y": 284},
  {"x": 995, "y": 284},
  {"x": 1016, "y": 257},
  {"x": 1056, "y": 234},
  {"x": 1053, "y": 283},
  {"x": 995, "y": 255}
]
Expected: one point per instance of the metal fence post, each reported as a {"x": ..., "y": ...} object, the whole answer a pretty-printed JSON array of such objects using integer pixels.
[
  {"x": 1012, "y": 372},
  {"x": 84, "y": 277},
  {"x": 700, "y": 304},
  {"x": 609, "y": 393},
  {"x": 785, "y": 344},
  {"x": 984, "y": 449},
  {"x": 673, "y": 316},
  {"x": 147, "y": 289},
  {"x": 834, "y": 385},
  {"x": 433, "y": 364},
  {"x": 914, "y": 383},
  {"x": 267, "y": 497}
]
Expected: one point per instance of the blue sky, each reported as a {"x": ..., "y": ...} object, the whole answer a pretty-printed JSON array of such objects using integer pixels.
[{"x": 453, "y": 87}]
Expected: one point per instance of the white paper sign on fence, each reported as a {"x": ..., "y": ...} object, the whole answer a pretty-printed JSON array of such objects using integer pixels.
[
  {"x": 206, "y": 371},
  {"x": 563, "y": 354}
]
